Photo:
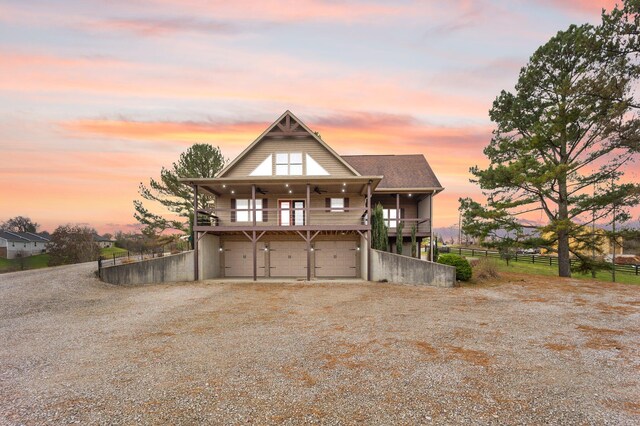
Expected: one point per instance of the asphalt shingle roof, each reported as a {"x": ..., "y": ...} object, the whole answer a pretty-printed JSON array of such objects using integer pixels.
[
  {"x": 399, "y": 171},
  {"x": 21, "y": 237}
]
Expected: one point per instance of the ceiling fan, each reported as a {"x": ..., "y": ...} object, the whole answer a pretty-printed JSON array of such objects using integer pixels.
[
  {"x": 261, "y": 191},
  {"x": 319, "y": 191}
]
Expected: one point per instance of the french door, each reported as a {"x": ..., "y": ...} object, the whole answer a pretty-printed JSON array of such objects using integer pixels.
[{"x": 291, "y": 212}]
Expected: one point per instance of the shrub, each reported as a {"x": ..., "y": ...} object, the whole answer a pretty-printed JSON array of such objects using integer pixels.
[
  {"x": 463, "y": 269},
  {"x": 485, "y": 269}
]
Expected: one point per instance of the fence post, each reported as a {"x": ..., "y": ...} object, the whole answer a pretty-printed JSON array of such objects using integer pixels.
[
  {"x": 516, "y": 256},
  {"x": 114, "y": 259},
  {"x": 550, "y": 262},
  {"x": 533, "y": 258},
  {"x": 637, "y": 266},
  {"x": 486, "y": 253},
  {"x": 460, "y": 250},
  {"x": 100, "y": 266}
]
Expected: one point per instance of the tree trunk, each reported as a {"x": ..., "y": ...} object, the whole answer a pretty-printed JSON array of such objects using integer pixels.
[{"x": 564, "y": 262}]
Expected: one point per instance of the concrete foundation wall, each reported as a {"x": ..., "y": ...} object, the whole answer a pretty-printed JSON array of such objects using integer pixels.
[
  {"x": 173, "y": 268},
  {"x": 209, "y": 254},
  {"x": 407, "y": 270}
]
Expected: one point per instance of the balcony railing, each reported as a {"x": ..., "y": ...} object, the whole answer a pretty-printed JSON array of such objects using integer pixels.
[
  {"x": 290, "y": 218},
  {"x": 283, "y": 217}
]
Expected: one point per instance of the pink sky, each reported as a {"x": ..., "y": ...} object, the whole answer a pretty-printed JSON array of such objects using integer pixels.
[{"x": 98, "y": 96}]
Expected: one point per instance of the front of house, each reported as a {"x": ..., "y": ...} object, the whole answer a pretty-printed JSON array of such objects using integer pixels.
[{"x": 290, "y": 207}]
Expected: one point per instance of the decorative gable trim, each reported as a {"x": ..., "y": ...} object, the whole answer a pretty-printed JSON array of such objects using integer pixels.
[{"x": 287, "y": 129}]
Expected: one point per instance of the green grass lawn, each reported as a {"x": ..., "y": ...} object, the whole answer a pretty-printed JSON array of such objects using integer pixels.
[
  {"x": 31, "y": 262},
  {"x": 110, "y": 251},
  {"x": 540, "y": 269}
]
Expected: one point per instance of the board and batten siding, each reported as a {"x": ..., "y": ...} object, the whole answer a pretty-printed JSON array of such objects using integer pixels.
[
  {"x": 268, "y": 147},
  {"x": 318, "y": 217}
]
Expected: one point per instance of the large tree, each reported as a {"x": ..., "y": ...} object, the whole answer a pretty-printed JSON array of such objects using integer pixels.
[
  {"x": 19, "y": 224},
  {"x": 563, "y": 139},
  {"x": 72, "y": 244},
  {"x": 199, "y": 161}
]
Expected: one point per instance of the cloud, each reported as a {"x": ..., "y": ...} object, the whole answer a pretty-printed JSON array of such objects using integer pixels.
[
  {"x": 148, "y": 27},
  {"x": 582, "y": 6}
]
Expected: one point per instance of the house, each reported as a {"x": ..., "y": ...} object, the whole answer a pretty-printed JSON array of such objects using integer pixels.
[
  {"x": 290, "y": 207},
  {"x": 103, "y": 242},
  {"x": 16, "y": 244}
]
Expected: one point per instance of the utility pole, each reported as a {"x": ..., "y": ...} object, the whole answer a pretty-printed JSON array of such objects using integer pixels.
[
  {"x": 613, "y": 245},
  {"x": 460, "y": 228}
]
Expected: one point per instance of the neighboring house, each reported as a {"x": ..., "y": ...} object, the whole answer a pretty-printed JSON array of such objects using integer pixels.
[
  {"x": 103, "y": 242},
  {"x": 14, "y": 244},
  {"x": 290, "y": 206},
  {"x": 605, "y": 244}
]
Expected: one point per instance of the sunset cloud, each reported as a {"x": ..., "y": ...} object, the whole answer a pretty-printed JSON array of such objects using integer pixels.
[{"x": 97, "y": 97}]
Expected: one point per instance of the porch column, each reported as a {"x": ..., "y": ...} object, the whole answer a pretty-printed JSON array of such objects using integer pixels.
[
  {"x": 369, "y": 242},
  {"x": 308, "y": 253},
  {"x": 419, "y": 241},
  {"x": 307, "y": 206},
  {"x": 253, "y": 203},
  {"x": 431, "y": 245},
  {"x": 254, "y": 245},
  {"x": 398, "y": 237},
  {"x": 195, "y": 233}
]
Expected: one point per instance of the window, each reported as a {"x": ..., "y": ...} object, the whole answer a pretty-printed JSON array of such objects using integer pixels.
[
  {"x": 289, "y": 163},
  {"x": 292, "y": 212},
  {"x": 390, "y": 217},
  {"x": 337, "y": 204},
  {"x": 244, "y": 212}
]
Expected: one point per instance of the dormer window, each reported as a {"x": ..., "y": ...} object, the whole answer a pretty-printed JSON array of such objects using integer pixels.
[{"x": 289, "y": 164}]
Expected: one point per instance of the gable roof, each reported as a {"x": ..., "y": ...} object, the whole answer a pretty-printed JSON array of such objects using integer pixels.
[
  {"x": 23, "y": 237},
  {"x": 288, "y": 116},
  {"x": 101, "y": 239},
  {"x": 399, "y": 171}
]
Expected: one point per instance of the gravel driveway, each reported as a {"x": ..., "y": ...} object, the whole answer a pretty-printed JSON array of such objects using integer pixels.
[{"x": 73, "y": 349}]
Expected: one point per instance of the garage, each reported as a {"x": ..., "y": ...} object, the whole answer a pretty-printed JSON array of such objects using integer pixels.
[
  {"x": 238, "y": 259},
  {"x": 336, "y": 259},
  {"x": 288, "y": 259}
]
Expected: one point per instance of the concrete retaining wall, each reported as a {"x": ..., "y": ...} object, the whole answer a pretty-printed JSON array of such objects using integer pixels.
[
  {"x": 176, "y": 267},
  {"x": 408, "y": 270}
]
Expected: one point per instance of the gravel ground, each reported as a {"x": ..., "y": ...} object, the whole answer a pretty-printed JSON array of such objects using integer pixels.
[{"x": 520, "y": 351}]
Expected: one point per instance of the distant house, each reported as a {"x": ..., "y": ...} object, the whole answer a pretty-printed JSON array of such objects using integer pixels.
[
  {"x": 103, "y": 242},
  {"x": 16, "y": 244}
]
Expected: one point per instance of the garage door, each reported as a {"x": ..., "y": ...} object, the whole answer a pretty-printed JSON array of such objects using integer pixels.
[
  {"x": 336, "y": 259},
  {"x": 238, "y": 259},
  {"x": 288, "y": 259}
]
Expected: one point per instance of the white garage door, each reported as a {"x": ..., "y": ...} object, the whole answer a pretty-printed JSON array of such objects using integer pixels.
[
  {"x": 288, "y": 259},
  {"x": 238, "y": 259},
  {"x": 335, "y": 258}
]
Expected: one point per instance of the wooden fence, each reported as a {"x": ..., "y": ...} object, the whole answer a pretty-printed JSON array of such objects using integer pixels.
[{"x": 537, "y": 259}]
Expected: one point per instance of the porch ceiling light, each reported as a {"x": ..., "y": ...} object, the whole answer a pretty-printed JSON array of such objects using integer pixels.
[
  {"x": 343, "y": 190},
  {"x": 224, "y": 186},
  {"x": 233, "y": 192},
  {"x": 344, "y": 184},
  {"x": 286, "y": 185},
  {"x": 221, "y": 249},
  {"x": 290, "y": 192}
]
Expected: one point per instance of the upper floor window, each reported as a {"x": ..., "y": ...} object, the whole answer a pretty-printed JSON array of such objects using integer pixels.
[
  {"x": 390, "y": 217},
  {"x": 337, "y": 204},
  {"x": 244, "y": 212},
  {"x": 289, "y": 163}
]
